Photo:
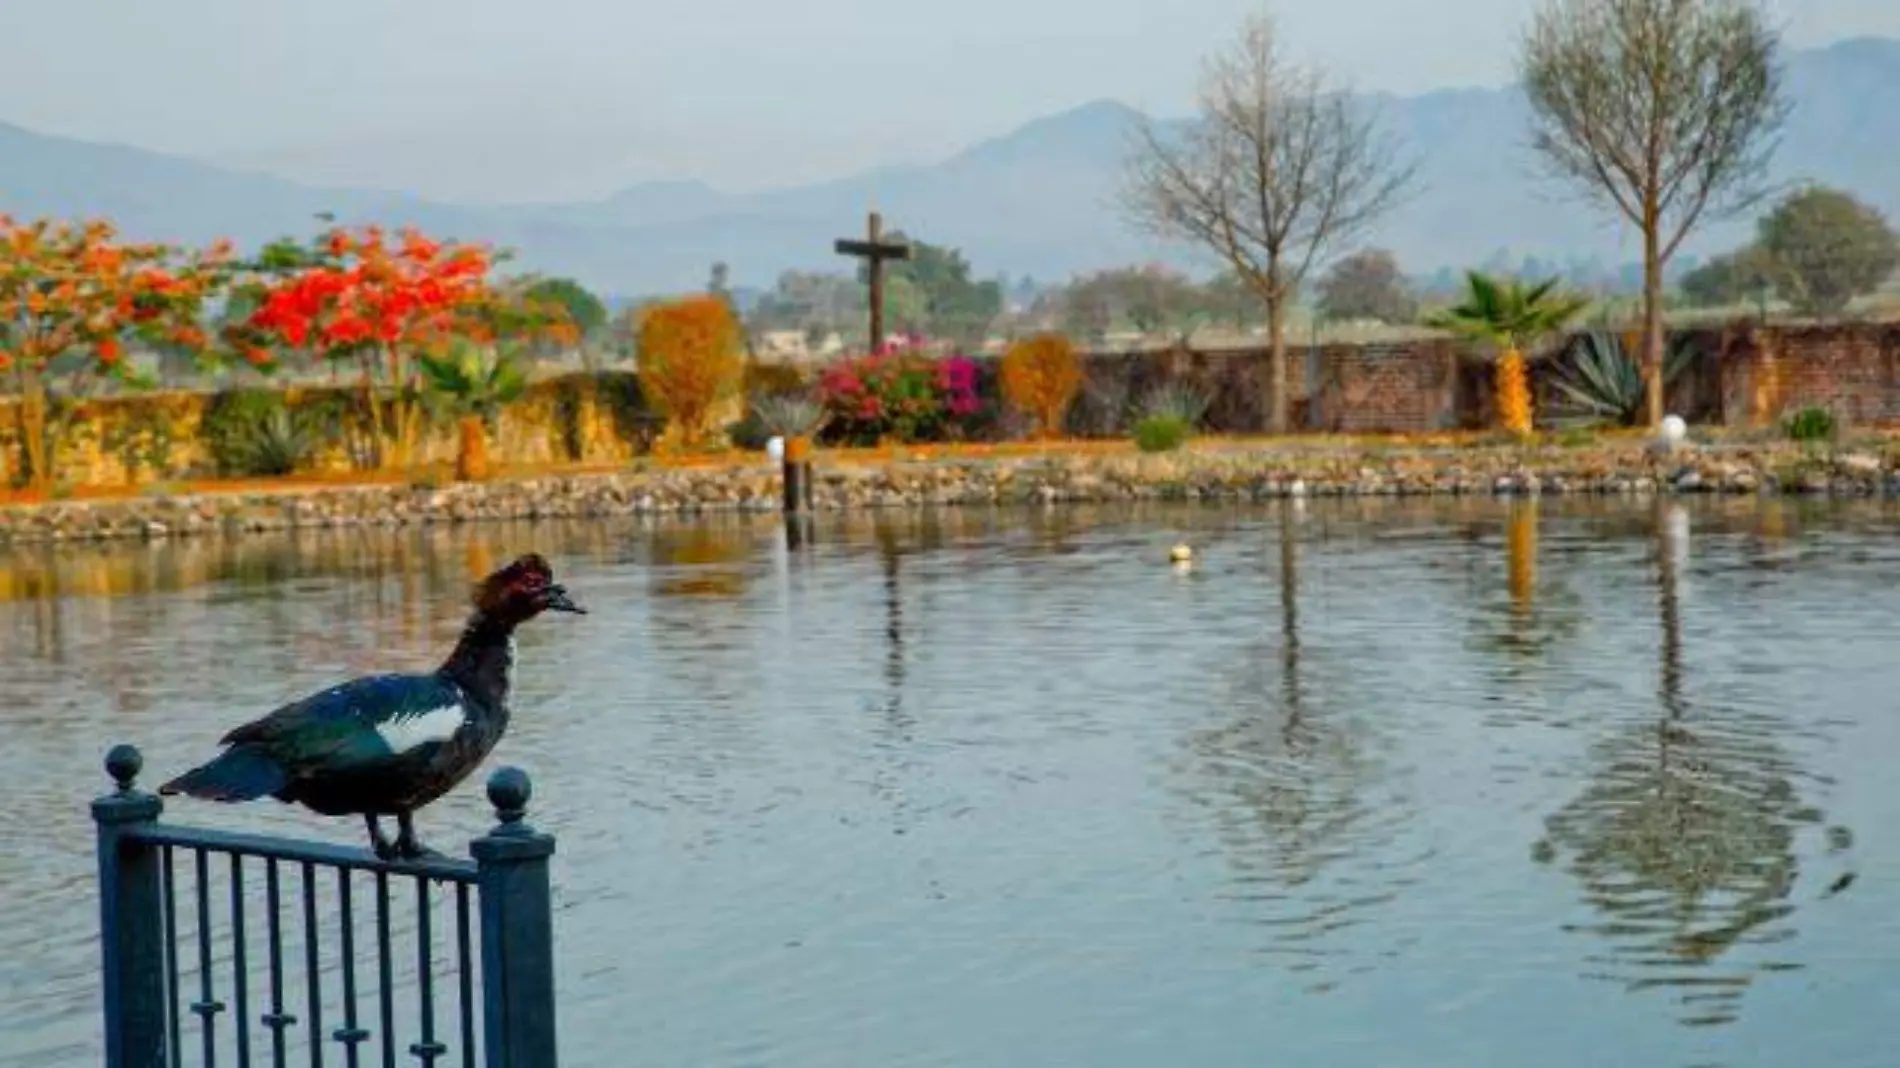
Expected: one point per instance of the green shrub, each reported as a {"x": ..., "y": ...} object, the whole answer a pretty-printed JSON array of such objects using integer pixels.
[
  {"x": 1811, "y": 424},
  {"x": 1162, "y": 433},
  {"x": 251, "y": 433},
  {"x": 1168, "y": 417}
]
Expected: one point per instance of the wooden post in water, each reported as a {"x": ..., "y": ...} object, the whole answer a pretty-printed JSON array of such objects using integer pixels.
[{"x": 796, "y": 475}]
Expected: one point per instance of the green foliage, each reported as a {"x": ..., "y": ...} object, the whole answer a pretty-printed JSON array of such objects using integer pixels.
[
  {"x": 1507, "y": 312},
  {"x": 1162, "y": 433},
  {"x": 471, "y": 380},
  {"x": 143, "y": 438},
  {"x": 1811, "y": 424},
  {"x": 1600, "y": 382},
  {"x": 1731, "y": 278},
  {"x": 1366, "y": 285},
  {"x": 1824, "y": 248},
  {"x": 253, "y": 433},
  {"x": 933, "y": 293},
  {"x": 1169, "y": 416},
  {"x": 1146, "y": 299},
  {"x": 585, "y": 310}
]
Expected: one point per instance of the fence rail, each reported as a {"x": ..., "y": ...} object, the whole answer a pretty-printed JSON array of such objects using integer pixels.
[{"x": 180, "y": 934}]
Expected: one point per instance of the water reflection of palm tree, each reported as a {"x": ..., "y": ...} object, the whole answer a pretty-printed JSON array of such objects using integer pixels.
[
  {"x": 1536, "y": 613},
  {"x": 1684, "y": 842},
  {"x": 1288, "y": 789}
]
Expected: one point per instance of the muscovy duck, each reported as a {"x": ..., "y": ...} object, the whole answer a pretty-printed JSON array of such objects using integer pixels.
[{"x": 386, "y": 745}]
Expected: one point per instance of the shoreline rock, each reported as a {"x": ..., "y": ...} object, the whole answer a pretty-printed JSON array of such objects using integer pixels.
[{"x": 1209, "y": 475}]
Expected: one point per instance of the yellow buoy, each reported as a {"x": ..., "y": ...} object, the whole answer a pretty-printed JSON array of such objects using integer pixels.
[{"x": 1180, "y": 554}]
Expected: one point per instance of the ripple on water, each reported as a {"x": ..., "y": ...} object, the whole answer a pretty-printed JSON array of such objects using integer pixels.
[{"x": 1005, "y": 787}]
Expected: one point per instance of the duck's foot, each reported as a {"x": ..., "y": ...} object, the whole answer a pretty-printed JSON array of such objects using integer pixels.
[
  {"x": 407, "y": 845},
  {"x": 378, "y": 844}
]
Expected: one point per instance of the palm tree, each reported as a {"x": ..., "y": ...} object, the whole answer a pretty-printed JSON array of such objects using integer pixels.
[
  {"x": 1513, "y": 316},
  {"x": 472, "y": 385}
]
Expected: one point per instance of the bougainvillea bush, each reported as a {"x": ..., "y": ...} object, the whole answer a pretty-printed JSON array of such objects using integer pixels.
[{"x": 901, "y": 393}]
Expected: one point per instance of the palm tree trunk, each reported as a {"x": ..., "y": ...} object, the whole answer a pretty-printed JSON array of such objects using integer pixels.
[
  {"x": 1514, "y": 393},
  {"x": 471, "y": 454}
]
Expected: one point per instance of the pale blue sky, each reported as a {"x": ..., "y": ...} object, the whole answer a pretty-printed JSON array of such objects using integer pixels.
[{"x": 484, "y": 99}]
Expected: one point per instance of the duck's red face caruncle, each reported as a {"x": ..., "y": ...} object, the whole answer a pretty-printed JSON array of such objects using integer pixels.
[{"x": 524, "y": 589}]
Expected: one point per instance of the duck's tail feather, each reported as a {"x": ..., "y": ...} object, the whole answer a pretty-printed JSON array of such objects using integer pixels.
[{"x": 240, "y": 773}]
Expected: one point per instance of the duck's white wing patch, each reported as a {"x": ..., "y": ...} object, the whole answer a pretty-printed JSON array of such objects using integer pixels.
[{"x": 405, "y": 732}]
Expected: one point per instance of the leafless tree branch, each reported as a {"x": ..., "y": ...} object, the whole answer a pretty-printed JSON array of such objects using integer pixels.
[
  {"x": 1277, "y": 169},
  {"x": 1667, "y": 111}
]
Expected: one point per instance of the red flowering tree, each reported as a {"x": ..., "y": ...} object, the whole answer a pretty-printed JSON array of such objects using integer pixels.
[
  {"x": 357, "y": 296},
  {"x": 72, "y": 296}
]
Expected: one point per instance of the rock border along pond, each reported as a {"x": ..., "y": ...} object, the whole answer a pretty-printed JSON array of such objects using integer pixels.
[{"x": 1209, "y": 472}]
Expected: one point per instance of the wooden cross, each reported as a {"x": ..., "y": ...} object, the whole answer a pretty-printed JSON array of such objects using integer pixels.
[{"x": 874, "y": 250}]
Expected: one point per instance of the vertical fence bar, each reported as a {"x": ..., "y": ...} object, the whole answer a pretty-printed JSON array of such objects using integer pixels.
[
  {"x": 240, "y": 966},
  {"x": 385, "y": 972},
  {"x": 313, "y": 974},
  {"x": 517, "y": 930},
  {"x": 349, "y": 1034},
  {"x": 276, "y": 1019},
  {"x": 207, "y": 1007},
  {"x": 425, "y": 1049},
  {"x": 171, "y": 953},
  {"x": 131, "y": 918},
  {"x": 465, "y": 974}
]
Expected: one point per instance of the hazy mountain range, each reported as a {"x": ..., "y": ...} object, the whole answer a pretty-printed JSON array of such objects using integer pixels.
[{"x": 1036, "y": 201}]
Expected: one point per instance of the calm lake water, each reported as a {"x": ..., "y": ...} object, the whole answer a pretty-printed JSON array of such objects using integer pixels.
[{"x": 1371, "y": 783}]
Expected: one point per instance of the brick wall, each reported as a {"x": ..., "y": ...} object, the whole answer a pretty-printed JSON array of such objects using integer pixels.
[
  {"x": 1851, "y": 369},
  {"x": 1401, "y": 386},
  {"x": 1742, "y": 374}
]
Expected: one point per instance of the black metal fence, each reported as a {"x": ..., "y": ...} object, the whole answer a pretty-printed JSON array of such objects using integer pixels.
[{"x": 223, "y": 948}]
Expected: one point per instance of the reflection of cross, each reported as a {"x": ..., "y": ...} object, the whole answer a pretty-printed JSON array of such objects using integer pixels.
[{"x": 874, "y": 250}]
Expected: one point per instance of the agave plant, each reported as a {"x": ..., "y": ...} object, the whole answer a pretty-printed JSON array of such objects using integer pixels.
[
  {"x": 1175, "y": 400},
  {"x": 1600, "y": 381},
  {"x": 472, "y": 384},
  {"x": 278, "y": 443},
  {"x": 788, "y": 415}
]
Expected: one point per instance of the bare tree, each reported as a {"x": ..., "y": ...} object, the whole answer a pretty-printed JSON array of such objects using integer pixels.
[
  {"x": 1277, "y": 167},
  {"x": 1667, "y": 110}
]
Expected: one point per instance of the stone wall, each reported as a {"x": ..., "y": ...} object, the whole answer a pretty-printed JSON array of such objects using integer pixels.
[
  {"x": 1744, "y": 375},
  {"x": 156, "y": 436}
]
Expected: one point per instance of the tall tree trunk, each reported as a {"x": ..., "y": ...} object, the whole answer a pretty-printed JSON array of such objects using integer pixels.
[
  {"x": 1277, "y": 406},
  {"x": 33, "y": 443},
  {"x": 1652, "y": 314}
]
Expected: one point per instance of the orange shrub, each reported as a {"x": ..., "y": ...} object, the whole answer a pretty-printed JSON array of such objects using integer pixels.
[
  {"x": 1040, "y": 377},
  {"x": 691, "y": 359}
]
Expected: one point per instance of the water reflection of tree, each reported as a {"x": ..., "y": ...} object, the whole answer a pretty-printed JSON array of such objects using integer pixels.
[
  {"x": 1535, "y": 611},
  {"x": 1684, "y": 841},
  {"x": 1289, "y": 789}
]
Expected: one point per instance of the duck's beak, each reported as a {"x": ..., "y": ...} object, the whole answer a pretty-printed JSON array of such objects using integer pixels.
[{"x": 559, "y": 601}]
